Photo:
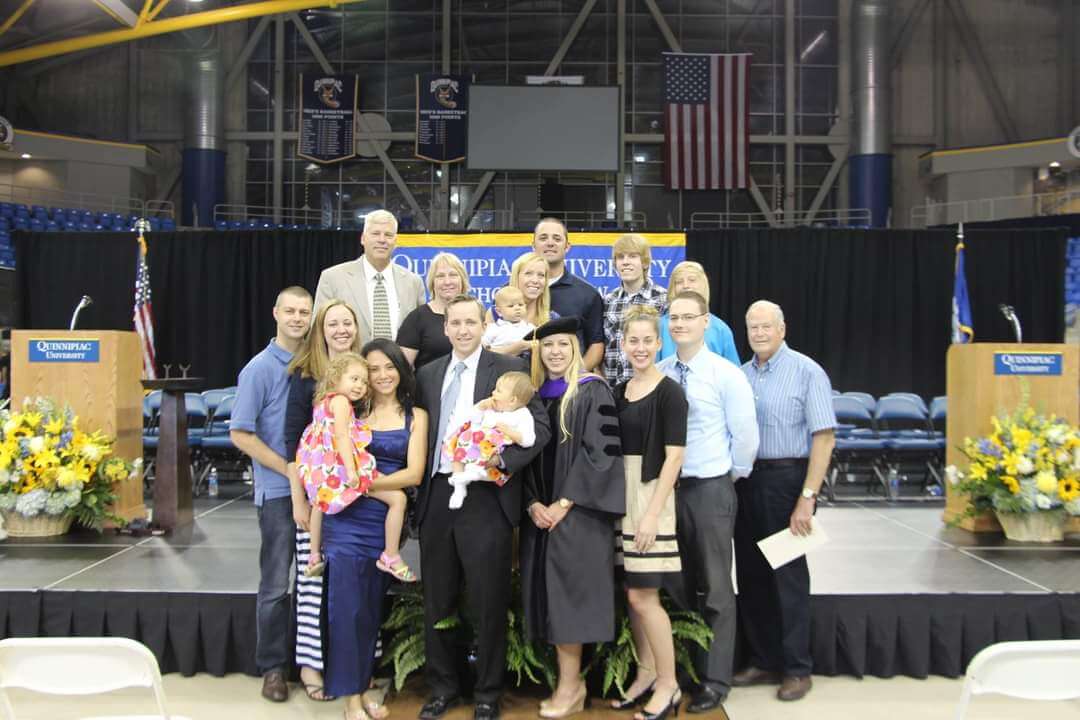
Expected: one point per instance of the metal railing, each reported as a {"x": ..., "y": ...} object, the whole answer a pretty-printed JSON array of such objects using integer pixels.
[
  {"x": 591, "y": 219},
  {"x": 848, "y": 217},
  {"x": 45, "y": 197},
  {"x": 998, "y": 208},
  {"x": 265, "y": 213}
]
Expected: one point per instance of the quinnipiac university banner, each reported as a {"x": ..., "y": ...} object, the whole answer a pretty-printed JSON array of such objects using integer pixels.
[
  {"x": 488, "y": 256},
  {"x": 327, "y": 118}
]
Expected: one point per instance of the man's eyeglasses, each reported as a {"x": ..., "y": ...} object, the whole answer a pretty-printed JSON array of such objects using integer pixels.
[{"x": 685, "y": 318}]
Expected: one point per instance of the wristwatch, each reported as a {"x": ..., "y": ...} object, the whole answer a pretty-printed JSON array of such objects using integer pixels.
[
  {"x": 808, "y": 493},
  {"x": 564, "y": 503}
]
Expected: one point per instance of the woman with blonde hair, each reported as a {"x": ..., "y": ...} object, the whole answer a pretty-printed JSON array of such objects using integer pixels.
[
  {"x": 333, "y": 332},
  {"x": 422, "y": 335},
  {"x": 573, "y": 497},
  {"x": 690, "y": 275},
  {"x": 529, "y": 274},
  {"x": 652, "y": 413}
]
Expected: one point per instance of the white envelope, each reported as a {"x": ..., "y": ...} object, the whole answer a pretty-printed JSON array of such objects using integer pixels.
[{"x": 783, "y": 547}]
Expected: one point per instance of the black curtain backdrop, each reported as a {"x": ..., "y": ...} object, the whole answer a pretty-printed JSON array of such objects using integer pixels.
[
  {"x": 874, "y": 307},
  {"x": 213, "y": 292}
]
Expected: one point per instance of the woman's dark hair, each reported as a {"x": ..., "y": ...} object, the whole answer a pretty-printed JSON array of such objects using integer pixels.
[{"x": 406, "y": 390}]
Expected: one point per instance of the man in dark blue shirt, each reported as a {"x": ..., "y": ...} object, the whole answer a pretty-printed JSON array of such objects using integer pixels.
[
  {"x": 570, "y": 295},
  {"x": 257, "y": 428}
]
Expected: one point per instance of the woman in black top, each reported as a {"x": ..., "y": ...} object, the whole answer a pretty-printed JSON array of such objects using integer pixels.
[
  {"x": 422, "y": 335},
  {"x": 652, "y": 412},
  {"x": 333, "y": 331}
]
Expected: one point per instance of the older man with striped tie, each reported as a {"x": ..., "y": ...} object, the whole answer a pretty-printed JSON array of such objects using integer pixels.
[
  {"x": 793, "y": 398},
  {"x": 380, "y": 291}
]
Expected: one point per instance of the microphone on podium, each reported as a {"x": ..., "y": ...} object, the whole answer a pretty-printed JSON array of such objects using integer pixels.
[
  {"x": 1010, "y": 314},
  {"x": 84, "y": 302}
]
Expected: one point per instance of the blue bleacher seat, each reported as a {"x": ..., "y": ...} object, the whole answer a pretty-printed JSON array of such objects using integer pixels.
[
  {"x": 22, "y": 224},
  {"x": 221, "y": 224},
  {"x": 168, "y": 225},
  {"x": 52, "y": 226},
  {"x": 236, "y": 225},
  {"x": 865, "y": 398},
  {"x": 913, "y": 398}
]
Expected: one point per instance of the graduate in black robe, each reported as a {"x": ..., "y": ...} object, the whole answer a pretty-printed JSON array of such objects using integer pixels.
[{"x": 575, "y": 497}]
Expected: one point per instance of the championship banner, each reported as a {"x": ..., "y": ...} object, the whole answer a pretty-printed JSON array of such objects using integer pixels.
[
  {"x": 488, "y": 256},
  {"x": 327, "y": 118},
  {"x": 7, "y": 134},
  {"x": 442, "y": 113}
]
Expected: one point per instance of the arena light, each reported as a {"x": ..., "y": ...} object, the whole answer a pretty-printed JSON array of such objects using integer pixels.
[{"x": 26, "y": 156}]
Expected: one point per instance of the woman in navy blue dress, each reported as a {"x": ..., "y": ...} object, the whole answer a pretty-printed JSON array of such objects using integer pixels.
[{"x": 354, "y": 537}]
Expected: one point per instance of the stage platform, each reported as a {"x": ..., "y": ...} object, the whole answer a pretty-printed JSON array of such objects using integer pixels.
[{"x": 894, "y": 591}]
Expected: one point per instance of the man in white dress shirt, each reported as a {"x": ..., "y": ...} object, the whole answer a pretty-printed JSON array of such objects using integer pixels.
[{"x": 380, "y": 291}]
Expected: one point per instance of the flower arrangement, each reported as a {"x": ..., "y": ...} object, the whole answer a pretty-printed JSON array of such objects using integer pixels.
[
  {"x": 1029, "y": 463},
  {"x": 50, "y": 467}
]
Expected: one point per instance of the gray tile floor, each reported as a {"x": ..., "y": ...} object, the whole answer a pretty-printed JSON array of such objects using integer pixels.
[{"x": 873, "y": 549}]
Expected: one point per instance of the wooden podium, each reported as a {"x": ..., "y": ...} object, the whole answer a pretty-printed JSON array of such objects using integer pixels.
[
  {"x": 97, "y": 373},
  {"x": 985, "y": 379}
]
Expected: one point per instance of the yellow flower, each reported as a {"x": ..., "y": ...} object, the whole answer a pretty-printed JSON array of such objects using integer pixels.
[
  {"x": 1045, "y": 482},
  {"x": 1010, "y": 483},
  {"x": 1021, "y": 438},
  {"x": 67, "y": 478},
  {"x": 1010, "y": 462},
  {"x": 1069, "y": 489},
  {"x": 55, "y": 426},
  {"x": 31, "y": 419}
]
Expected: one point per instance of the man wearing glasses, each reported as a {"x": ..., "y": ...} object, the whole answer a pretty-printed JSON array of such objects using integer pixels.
[{"x": 721, "y": 442}]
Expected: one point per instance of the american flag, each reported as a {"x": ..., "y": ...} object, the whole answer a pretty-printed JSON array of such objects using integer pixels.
[
  {"x": 144, "y": 316},
  {"x": 707, "y": 121}
]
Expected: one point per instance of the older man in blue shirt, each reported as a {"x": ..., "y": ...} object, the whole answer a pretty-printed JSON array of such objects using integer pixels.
[
  {"x": 721, "y": 441},
  {"x": 257, "y": 428},
  {"x": 795, "y": 416}
]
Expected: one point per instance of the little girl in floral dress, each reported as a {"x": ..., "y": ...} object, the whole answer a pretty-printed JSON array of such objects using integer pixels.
[{"x": 334, "y": 479}]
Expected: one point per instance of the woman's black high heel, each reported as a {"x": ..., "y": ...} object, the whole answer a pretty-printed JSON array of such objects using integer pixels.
[
  {"x": 629, "y": 703},
  {"x": 672, "y": 708}
]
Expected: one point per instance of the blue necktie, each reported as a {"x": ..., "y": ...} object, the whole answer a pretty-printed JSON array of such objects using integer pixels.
[
  {"x": 446, "y": 409},
  {"x": 684, "y": 370}
]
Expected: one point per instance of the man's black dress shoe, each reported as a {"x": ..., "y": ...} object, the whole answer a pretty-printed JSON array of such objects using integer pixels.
[
  {"x": 486, "y": 711},
  {"x": 704, "y": 700},
  {"x": 437, "y": 705}
]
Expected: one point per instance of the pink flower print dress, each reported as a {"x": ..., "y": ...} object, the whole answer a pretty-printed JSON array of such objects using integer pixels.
[
  {"x": 321, "y": 468},
  {"x": 474, "y": 444}
]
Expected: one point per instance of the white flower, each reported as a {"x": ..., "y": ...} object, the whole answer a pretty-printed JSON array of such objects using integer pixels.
[
  {"x": 953, "y": 475},
  {"x": 1042, "y": 502},
  {"x": 37, "y": 444},
  {"x": 91, "y": 452},
  {"x": 1061, "y": 457},
  {"x": 1024, "y": 466},
  {"x": 5, "y": 477},
  {"x": 1076, "y": 458},
  {"x": 9, "y": 426},
  {"x": 1056, "y": 434}
]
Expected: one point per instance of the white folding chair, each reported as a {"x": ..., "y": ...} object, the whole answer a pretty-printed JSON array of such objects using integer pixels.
[
  {"x": 79, "y": 666},
  {"x": 1032, "y": 670}
]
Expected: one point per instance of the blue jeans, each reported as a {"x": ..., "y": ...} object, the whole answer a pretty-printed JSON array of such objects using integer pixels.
[{"x": 278, "y": 532}]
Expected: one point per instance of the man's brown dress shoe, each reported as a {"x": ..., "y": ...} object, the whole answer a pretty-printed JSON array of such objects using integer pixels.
[
  {"x": 755, "y": 676},
  {"x": 794, "y": 688},
  {"x": 274, "y": 688}
]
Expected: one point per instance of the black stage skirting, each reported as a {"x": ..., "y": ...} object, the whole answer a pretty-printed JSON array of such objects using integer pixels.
[{"x": 880, "y": 635}]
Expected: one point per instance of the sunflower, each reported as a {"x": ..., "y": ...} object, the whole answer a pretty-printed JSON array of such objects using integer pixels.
[
  {"x": 1011, "y": 483},
  {"x": 1068, "y": 489}
]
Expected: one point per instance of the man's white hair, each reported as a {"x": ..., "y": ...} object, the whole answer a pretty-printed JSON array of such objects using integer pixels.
[
  {"x": 380, "y": 217},
  {"x": 777, "y": 312}
]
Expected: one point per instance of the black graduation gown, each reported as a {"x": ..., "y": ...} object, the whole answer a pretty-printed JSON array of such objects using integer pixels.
[{"x": 568, "y": 575}]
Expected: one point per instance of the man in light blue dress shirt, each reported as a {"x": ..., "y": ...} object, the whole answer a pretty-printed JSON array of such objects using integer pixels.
[
  {"x": 721, "y": 442},
  {"x": 797, "y": 423}
]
